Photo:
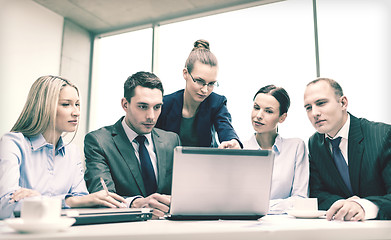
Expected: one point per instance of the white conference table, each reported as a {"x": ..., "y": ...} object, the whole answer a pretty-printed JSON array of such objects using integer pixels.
[{"x": 269, "y": 227}]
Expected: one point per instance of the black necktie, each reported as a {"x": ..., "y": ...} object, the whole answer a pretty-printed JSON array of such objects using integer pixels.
[
  {"x": 340, "y": 162},
  {"x": 147, "y": 171}
]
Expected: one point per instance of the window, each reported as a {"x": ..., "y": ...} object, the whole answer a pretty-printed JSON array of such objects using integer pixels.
[
  {"x": 115, "y": 59},
  {"x": 355, "y": 50},
  {"x": 268, "y": 44}
]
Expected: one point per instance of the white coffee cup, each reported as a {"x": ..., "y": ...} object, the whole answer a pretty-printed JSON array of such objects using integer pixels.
[
  {"x": 305, "y": 204},
  {"x": 43, "y": 209}
]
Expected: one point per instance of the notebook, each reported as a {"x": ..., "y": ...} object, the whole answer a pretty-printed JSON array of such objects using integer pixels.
[
  {"x": 86, "y": 216},
  {"x": 212, "y": 183}
]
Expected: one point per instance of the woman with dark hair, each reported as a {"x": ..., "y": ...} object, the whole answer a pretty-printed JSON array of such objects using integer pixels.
[
  {"x": 35, "y": 161},
  {"x": 196, "y": 113},
  {"x": 291, "y": 167}
]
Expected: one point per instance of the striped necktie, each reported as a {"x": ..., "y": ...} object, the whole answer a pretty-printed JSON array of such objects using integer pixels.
[{"x": 340, "y": 162}]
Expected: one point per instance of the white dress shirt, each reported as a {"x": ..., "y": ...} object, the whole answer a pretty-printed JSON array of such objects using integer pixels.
[
  {"x": 343, "y": 145},
  {"x": 290, "y": 171}
]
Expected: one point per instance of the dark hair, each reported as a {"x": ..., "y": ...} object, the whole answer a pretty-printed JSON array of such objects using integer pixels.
[
  {"x": 144, "y": 79},
  {"x": 278, "y": 93},
  {"x": 337, "y": 88},
  {"x": 200, "y": 52}
]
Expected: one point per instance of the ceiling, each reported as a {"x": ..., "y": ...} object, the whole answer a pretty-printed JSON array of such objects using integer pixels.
[{"x": 107, "y": 16}]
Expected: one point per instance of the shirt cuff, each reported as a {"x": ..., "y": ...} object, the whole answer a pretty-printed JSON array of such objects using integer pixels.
[
  {"x": 369, "y": 207},
  {"x": 129, "y": 200}
]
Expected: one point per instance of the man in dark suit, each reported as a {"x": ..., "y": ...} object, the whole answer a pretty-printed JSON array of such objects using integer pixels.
[
  {"x": 140, "y": 170},
  {"x": 350, "y": 158}
]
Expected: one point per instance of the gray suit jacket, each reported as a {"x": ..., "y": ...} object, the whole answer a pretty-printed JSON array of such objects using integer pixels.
[
  {"x": 110, "y": 155},
  {"x": 369, "y": 157}
]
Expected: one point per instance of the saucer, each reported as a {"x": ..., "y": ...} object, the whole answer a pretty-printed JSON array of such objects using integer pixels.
[
  {"x": 20, "y": 225},
  {"x": 306, "y": 214}
]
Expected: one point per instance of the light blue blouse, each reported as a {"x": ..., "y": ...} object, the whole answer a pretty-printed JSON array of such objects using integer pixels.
[
  {"x": 290, "y": 171},
  {"x": 28, "y": 162}
]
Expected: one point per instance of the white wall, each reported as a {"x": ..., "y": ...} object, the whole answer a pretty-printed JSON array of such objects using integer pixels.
[
  {"x": 30, "y": 46},
  {"x": 75, "y": 66},
  {"x": 35, "y": 41}
]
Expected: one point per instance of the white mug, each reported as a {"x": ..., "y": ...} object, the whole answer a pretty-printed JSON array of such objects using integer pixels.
[
  {"x": 41, "y": 209},
  {"x": 305, "y": 204}
]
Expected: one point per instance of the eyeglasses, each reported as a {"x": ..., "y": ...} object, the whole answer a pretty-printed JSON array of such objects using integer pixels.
[{"x": 201, "y": 83}]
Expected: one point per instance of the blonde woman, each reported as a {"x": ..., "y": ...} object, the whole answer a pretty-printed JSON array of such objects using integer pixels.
[{"x": 35, "y": 161}]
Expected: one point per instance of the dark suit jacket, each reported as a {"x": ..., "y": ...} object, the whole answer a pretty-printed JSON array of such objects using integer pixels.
[
  {"x": 110, "y": 155},
  {"x": 212, "y": 117},
  {"x": 369, "y": 157}
]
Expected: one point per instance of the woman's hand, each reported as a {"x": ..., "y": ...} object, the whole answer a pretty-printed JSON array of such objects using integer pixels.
[
  {"x": 230, "y": 144},
  {"x": 100, "y": 198},
  {"x": 23, "y": 193}
]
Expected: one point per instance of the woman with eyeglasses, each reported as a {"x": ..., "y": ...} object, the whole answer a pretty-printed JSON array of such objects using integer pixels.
[
  {"x": 35, "y": 161},
  {"x": 291, "y": 167},
  {"x": 196, "y": 113}
]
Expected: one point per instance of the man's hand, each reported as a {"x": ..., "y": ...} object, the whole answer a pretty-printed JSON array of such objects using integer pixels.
[
  {"x": 158, "y": 202},
  {"x": 230, "y": 144},
  {"x": 347, "y": 210},
  {"x": 23, "y": 193},
  {"x": 100, "y": 198}
]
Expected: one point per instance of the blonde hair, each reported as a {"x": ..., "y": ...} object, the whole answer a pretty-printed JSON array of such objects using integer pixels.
[
  {"x": 200, "y": 52},
  {"x": 40, "y": 109}
]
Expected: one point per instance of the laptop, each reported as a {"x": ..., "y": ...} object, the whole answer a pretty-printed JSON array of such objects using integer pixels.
[
  {"x": 86, "y": 216},
  {"x": 212, "y": 183}
]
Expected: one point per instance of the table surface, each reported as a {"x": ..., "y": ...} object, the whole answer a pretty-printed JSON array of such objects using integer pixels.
[{"x": 268, "y": 227}]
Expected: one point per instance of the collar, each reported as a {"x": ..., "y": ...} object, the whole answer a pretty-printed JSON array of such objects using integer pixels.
[
  {"x": 132, "y": 134},
  {"x": 344, "y": 131},
  {"x": 38, "y": 142},
  {"x": 276, "y": 148},
  {"x": 277, "y": 144}
]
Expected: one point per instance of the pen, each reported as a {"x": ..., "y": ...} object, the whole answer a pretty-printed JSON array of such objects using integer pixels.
[{"x": 104, "y": 186}]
